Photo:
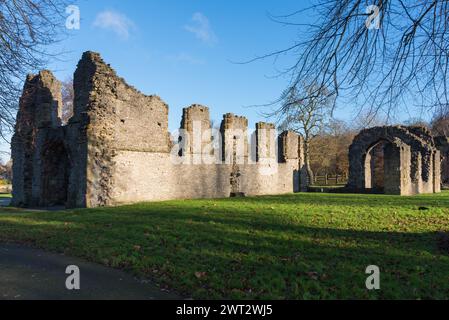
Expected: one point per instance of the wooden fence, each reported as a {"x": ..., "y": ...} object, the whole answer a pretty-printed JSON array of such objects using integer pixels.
[{"x": 330, "y": 180}]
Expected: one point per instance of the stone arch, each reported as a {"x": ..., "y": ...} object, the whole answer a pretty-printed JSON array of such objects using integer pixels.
[
  {"x": 55, "y": 174},
  {"x": 409, "y": 159},
  {"x": 375, "y": 166}
]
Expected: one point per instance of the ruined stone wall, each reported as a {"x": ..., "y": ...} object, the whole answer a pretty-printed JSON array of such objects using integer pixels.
[
  {"x": 141, "y": 167},
  {"x": 22, "y": 143},
  {"x": 288, "y": 146},
  {"x": 396, "y": 168},
  {"x": 165, "y": 179},
  {"x": 378, "y": 166},
  {"x": 437, "y": 171},
  {"x": 443, "y": 147},
  {"x": 116, "y": 148},
  {"x": 39, "y": 112},
  {"x": 169, "y": 178},
  {"x": 111, "y": 118},
  {"x": 417, "y": 168},
  {"x": 196, "y": 121},
  {"x": 234, "y": 132},
  {"x": 265, "y": 141}
]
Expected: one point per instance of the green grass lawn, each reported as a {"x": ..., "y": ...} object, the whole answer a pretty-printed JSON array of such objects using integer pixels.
[{"x": 303, "y": 246}]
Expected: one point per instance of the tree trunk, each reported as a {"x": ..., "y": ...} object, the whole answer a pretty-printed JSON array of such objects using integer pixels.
[{"x": 307, "y": 161}]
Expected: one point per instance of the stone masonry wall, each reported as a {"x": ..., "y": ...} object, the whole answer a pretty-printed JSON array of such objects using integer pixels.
[
  {"x": 114, "y": 118},
  {"x": 196, "y": 115},
  {"x": 443, "y": 146},
  {"x": 39, "y": 111},
  {"x": 164, "y": 179},
  {"x": 265, "y": 141},
  {"x": 116, "y": 149}
]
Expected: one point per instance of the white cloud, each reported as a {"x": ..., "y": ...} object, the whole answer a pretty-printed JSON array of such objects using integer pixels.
[
  {"x": 201, "y": 28},
  {"x": 114, "y": 21},
  {"x": 185, "y": 58}
]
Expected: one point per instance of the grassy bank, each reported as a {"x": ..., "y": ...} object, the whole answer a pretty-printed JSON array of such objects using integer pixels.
[{"x": 303, "y": 246}]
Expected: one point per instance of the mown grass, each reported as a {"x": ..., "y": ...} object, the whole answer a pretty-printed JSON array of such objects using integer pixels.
[{"x": 303, "y": 246}]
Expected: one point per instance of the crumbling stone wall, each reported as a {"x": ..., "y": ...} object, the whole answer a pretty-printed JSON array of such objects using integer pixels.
[
  {"x": 117, "y": 149},
  {"x": 234, "y": 132},
  {"x": 265, "y": 141},
  {"x": 442, "y": 144},
  {"x": 40, "y": 108},
  {"x": 411, "y": 163},
  {"x": 52, "y": 176},
  {"x": 115, "y": 118},
  {"x": 196, "y": 120}
]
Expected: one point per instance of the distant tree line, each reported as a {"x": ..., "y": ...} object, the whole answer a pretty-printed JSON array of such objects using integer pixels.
[{"x": 329, "y": 149}]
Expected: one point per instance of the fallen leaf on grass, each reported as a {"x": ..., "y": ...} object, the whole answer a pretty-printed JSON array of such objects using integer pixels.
[
  {"x": 200, "y": 275},
  {"x": 313, "y": 275}
]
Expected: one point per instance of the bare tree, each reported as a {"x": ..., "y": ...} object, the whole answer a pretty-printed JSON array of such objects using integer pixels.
[
  {"x": 440, "y": 123},
  {"x": 417, "y": 122},
  {"x": 305, "y": 110},
  {"x": 27, "y": 28},
  {"x": 342, "y": 136},
  {"x": 404, "y": 61},
  {"x": 367, "y": 119},
  {"x": 329, "y": 148}
]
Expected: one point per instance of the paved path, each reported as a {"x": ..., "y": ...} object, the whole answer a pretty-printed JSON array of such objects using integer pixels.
[{"x": 27, "y": 273}]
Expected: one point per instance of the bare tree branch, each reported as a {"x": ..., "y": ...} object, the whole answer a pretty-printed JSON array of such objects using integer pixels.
[
  {"x": 403, "y": 63},
  {"x": 27, "y": 28}
]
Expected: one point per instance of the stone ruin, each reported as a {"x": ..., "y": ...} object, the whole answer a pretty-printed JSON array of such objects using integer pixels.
[
  {"x": 395, "y": 160},
  {"x": 116, "y": 149},
  {"x": 442, "y": 144}
]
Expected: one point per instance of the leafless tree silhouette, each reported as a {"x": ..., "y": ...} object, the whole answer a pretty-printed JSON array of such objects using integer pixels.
[
  {"x": 440, "y": 122},
  {"x": 27, "y": 28},
  {"x": 305, "y": 110},
  {"x": 404, "y": 62}
]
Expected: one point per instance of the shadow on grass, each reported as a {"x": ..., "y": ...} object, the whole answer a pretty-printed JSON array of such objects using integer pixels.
[{"x": 226, "y": 249}]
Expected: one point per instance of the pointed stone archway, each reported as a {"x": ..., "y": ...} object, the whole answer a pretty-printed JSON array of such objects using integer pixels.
[{"x": 410, "y": 161}]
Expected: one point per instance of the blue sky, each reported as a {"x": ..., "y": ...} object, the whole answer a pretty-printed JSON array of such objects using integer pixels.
[{"x": 183, "y": 51}]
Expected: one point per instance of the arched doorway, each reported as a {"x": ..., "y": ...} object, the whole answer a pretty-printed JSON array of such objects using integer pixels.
[
  {"x": 394, "y": 160},
  {"x": 54, "y": 174},
  {"x": 375, "y": 167}
]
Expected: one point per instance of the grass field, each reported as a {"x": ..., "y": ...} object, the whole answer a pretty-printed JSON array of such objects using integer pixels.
[{"x": 303, "y": 246}]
